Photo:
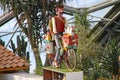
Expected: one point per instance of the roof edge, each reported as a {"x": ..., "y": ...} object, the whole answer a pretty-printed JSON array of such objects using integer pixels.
[{"x": 14, "y": 69}]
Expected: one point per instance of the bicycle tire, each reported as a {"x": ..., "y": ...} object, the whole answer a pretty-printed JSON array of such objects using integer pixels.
[{"x": 71, "y": 60}]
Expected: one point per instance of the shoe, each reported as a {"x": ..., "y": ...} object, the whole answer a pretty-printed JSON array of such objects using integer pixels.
[{"x": 55, "y": 64}]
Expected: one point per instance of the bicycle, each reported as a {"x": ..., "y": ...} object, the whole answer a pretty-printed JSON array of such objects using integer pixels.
[{"x": 67, "y": 52}]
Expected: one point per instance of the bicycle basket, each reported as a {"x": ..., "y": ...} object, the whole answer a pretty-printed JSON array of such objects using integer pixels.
[{"x": 70, "y": 41}]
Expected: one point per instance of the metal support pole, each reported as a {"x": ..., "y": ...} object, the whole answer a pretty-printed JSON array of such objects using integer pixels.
[
  {"x": 107, "y": 4},
  {"x": 72, "y": 10},
  {"x": 107, "y": 25},
  {"x": 6, "y": 17},
  {"x": 93, "y": 8}
]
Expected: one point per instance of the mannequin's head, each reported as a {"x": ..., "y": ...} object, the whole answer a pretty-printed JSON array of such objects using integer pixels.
[{"x": 59, "y": 9}]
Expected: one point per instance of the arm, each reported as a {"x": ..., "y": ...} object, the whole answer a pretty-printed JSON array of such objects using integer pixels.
[
  {"x": 54, "y": 25},
  {"x": 66, "y": 23},
  {"x": 50, "y": 26}
]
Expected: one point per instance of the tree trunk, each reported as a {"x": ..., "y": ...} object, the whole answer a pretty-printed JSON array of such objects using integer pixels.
[
  {"x": 34, "y": 48},
  {"x": 38, "y": 61}
]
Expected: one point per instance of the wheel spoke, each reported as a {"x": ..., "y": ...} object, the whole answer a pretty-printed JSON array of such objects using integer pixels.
[{"x": 71, "y": 60}]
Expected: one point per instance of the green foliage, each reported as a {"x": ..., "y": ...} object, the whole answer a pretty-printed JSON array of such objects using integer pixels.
[
  {"x": 88, "y": 51},
  {"x": 20, "y": 50},
  {"x": 109, "y": 59},
  {"x": 96, "y": 61},
  {"x": 39, "y": 70},
  {"x": 86, "y": 47},
  {"x": 2, "y": 42},
  {"x": 13, "y": 46},
  {"x": 81, "y": 19}
]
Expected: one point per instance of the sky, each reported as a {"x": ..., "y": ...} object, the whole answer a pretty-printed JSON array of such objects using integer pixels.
[
  {"x": 8, "y": 27},
  {"x": 84, "y": 3}
]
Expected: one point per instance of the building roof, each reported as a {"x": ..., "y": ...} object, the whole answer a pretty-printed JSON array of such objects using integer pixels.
[
  {"x": 111, "y": 28},
  {"x": 9, "y": 61}
]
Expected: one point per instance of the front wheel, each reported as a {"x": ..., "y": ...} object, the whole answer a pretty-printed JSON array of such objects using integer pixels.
[{"x": 71, "y": 59}]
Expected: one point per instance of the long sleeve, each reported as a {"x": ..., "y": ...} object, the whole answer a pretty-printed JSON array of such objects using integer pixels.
[
  {"x": 50, "y": 26},
  {"x": 54, "y": 25}
]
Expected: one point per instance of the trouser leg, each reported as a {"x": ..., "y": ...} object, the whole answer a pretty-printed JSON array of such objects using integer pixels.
[{"x": 58, "y": 47}]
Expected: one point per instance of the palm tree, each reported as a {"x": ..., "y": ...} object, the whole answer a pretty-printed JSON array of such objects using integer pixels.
[
  {"x": 32, "y": 18},
  {"x": 21, "y": 48},
  {"x": 109, "y": 59}
]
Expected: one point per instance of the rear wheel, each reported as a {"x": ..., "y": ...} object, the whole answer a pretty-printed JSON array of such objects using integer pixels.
[{"x": 71, "y": 59}]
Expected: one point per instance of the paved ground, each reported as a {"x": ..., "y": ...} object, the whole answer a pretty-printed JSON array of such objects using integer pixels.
[{"x": 20, "y": 76}]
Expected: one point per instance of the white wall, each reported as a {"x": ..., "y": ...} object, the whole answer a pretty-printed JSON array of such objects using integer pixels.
[
  {"x": 20, "y": 76},
  {"x": 74, "y": 75}
]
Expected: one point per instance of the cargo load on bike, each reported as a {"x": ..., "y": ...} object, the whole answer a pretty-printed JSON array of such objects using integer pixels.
[{"x": 70, "y": 41}]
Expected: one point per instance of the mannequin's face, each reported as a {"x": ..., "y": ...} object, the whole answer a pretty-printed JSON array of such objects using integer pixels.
[{"x": 59, "y": 11}]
